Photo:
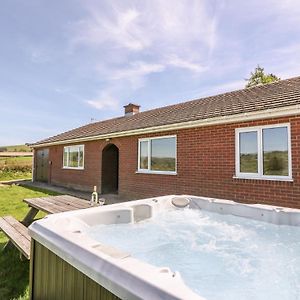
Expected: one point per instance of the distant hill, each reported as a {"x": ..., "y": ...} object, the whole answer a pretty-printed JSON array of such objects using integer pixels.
[{"x": 15, "y": 148}]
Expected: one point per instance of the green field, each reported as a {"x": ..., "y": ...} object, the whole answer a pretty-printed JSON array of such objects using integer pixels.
[
  {"x": 274, "y": 163},
  {"x": 12, "y": 168},
  {"x": 14, "y": 273},
  {"x": 248, "y": 163},
  {"x": 163, "y": 163},
  {"x": 15, "y": 148},
  {"x": 15, "y": 161}
]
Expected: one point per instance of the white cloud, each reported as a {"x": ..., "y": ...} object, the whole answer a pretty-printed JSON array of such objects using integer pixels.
[
  {"x": 118, "y": 29},
  {"x": 185, "y": 64},
  {"x": 288, "y": 49},
  {"x": 151, "y": 29},
  {"x": 137, "y": 39},
  {"x": 135, "y": 74},
  {"x": 288, "y": 6},
  {"x": 286, "y": 60},
  {"x": 216, "y": 89},
  {"x": 37, "y": 53},
  {"x": 159, "y": 25},
  {"x": 226, "y": 87},
  {"x": 137, "y": 69},
  {"x": 104, "y": 101}
]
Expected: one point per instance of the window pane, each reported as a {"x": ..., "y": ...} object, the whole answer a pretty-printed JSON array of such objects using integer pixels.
[
  {"x": 80, "y": 163},
  {"x": 144, "y": 155},
  {"x": 73, "y": 157},
  {"x": 248, "y": 152},
  {"x": 275, "y": 151},
  {"x": 163, "y": 154},
  {"x": 65, "y": 157}
]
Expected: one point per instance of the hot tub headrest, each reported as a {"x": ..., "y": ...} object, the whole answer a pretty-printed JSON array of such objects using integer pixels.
[{"x": 180, "y": 201}]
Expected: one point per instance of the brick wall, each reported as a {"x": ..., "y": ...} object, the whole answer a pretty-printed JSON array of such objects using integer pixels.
[{"x": 205, "y": 166}]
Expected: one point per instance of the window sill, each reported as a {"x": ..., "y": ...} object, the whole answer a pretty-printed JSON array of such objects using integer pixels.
[
  {"x": 72, "y": 168},
  {"x": 156, "y": 172},
  {"x": 288, "y": 179}
]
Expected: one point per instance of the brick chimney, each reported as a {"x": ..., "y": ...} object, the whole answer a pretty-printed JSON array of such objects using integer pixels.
[{"x": 131, "y": 109}]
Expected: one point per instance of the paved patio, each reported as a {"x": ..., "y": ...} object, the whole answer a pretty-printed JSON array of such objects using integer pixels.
[{"x": 109, "y": 198}]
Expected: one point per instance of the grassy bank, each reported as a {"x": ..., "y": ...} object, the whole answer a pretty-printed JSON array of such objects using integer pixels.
[
  {"x": 12, "y": 168},
  {"x": 14, "y": 273}
]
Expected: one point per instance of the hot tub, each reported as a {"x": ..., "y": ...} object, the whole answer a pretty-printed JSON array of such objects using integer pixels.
[{"x": 171, "y": 247}]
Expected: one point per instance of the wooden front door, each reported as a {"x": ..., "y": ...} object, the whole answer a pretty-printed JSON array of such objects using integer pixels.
[{"x": 41, "y": 165}]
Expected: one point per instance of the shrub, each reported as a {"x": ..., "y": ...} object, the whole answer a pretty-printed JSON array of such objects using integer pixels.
[
  {"x": 275, "y": 163},
  {"x": 15, "y": 168}
]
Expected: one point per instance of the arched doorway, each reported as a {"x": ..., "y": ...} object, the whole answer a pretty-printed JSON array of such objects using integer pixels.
[{"x": 110, "y": 169}]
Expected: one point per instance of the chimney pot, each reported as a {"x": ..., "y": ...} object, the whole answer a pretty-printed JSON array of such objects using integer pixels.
[{"x": 131, "y": 109}]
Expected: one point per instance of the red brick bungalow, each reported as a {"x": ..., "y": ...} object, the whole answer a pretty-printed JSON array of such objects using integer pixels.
[{"x": 242, "y": 145}]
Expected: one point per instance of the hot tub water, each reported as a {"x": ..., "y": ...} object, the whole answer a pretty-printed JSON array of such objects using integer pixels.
[{"x": 218, "y": 256}]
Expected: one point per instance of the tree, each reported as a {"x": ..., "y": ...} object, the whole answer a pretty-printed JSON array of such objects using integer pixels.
[{"x": 258, "y": 77}]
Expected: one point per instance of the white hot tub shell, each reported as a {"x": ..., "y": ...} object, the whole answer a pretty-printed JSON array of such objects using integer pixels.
[{"x": 119, "y": 272}]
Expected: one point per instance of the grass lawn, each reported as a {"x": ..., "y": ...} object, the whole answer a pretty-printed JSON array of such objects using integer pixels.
[
  {"x": 14, "y": 273},
  {"x": 14, "y": 175}
]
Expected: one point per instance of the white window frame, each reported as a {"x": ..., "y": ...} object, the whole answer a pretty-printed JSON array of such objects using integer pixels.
[
  {"x": 73, "y": 168},
  {"x": 259, "y": 174},
  {"x": 149, "y": 171}
]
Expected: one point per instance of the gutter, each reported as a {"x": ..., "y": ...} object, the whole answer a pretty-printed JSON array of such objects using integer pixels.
[{"x": 251, "y": 116}]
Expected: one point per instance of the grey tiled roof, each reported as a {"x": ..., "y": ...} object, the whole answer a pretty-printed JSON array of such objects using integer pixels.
[{"x": 275, "y": 95}]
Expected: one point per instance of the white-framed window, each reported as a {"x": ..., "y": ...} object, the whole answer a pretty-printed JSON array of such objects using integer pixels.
[
  {"x": 264, "y": 152},
  {"x": 157, "y": 155},
  {"x": 73, "y": 157}
]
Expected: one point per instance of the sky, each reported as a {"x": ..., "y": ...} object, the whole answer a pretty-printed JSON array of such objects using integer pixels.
[{"x": 66, "y": 63}]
